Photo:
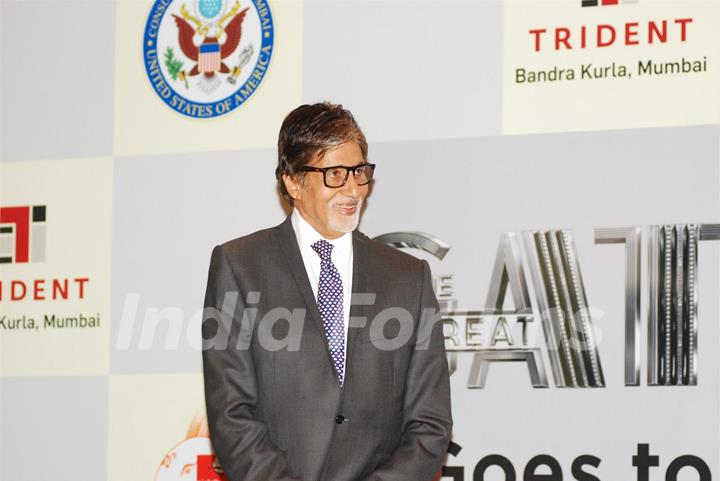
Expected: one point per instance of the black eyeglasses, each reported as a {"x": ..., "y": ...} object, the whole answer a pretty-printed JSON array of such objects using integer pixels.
[{"x": 337, "y": 175}]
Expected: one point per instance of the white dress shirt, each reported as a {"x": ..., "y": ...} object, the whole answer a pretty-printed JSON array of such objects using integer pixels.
[{"x": 342, "y": 257}]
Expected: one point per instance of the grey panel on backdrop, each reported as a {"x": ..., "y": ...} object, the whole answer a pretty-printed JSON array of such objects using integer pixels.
[
  {"x": 467, "y": 192},
  {"x": 57, "y": 65},
  {"x": 54, "y": 428},
  {"x": 168, "y": 213},
  {"x": 408, "y": 69}
]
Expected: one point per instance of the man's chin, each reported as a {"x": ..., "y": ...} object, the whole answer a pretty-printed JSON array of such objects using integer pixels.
[{"x": 346, "y": 225}]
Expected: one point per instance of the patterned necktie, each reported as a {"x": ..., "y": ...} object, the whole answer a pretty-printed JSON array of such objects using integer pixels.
[{"x": 330, "y": 304}]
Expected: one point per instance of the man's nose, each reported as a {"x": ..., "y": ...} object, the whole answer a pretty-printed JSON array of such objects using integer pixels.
[{"x": 351, "y": 189}]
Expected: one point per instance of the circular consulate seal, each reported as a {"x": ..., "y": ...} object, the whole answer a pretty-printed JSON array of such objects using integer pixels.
[{"x": 204, "y": 58}]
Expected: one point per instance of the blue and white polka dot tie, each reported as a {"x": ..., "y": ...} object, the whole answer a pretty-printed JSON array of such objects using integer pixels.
[{"x": 330, "y": 304}]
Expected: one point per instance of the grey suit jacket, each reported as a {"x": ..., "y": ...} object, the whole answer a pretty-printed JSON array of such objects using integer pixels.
[{"x": 275, "y": 408}]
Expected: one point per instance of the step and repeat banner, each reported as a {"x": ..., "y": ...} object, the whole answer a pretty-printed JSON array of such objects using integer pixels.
[{"x": 556, "y": 162}]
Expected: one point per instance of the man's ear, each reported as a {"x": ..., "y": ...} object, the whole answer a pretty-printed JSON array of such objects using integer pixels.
[{"x": 293, "y": 186}]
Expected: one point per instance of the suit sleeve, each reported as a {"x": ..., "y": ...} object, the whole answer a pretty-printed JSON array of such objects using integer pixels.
[
  {"x": 427, "y": 420},
  {"x": 241, "y": 442}
]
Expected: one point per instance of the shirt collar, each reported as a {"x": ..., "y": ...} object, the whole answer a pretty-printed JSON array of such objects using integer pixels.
[{"x": 307, "y": 235}]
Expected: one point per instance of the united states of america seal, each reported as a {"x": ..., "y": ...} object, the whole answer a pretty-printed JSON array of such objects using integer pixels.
[{"x": 205, "y": 58}]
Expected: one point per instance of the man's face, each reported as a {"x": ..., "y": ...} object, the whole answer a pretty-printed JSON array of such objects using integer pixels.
[{"x": 332, "y": 212}]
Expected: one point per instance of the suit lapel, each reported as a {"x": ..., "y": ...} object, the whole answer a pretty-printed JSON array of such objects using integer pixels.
[{"x": 291, "y": 250}]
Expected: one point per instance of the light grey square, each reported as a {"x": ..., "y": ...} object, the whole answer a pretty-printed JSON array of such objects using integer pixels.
[
  {"x": 408, "y": 69},
  {"x": 53, "y": 428},
  {"x": 468, "y": 192},
  {"x": 57, "y": 69},
  {"x": 168, "y": 214}
]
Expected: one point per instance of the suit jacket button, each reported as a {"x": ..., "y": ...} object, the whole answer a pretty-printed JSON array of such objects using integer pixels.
[{"x": 339, "y": 419}]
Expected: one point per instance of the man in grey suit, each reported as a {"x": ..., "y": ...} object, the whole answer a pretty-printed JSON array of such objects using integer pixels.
[{"x": 302, "y": 380}]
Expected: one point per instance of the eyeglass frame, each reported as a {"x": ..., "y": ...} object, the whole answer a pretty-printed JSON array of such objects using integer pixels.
[{"x": 307, "y": 168}]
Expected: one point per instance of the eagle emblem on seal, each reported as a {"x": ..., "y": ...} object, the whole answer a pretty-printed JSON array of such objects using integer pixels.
[{"x": 207, "y": 44}]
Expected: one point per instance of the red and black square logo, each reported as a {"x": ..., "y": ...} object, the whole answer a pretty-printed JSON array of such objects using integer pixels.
[
  {"x": 22, "y": 234},
  {"x": 595, "y": 3}
]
